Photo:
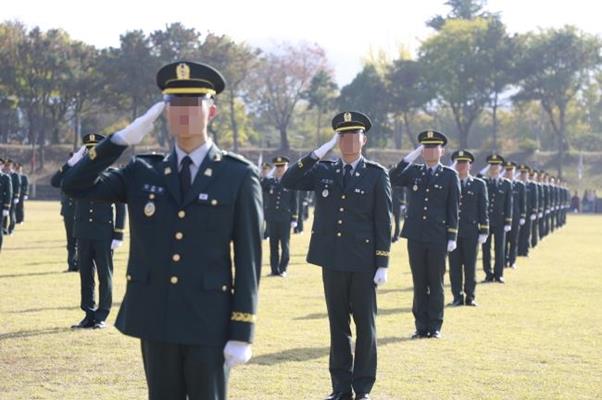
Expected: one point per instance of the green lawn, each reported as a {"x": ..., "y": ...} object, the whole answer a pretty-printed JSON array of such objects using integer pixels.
[{"x": 537, "y": 337}]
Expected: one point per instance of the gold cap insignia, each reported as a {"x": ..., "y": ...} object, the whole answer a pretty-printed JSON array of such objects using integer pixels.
[
  {"x": 183, "y": 71},
  {"x": 461, "y": 153},
  {"x": 429, "y": 134},
  {"x": 494, "y": 157},
  {"x": 347, "y": 117},
  {"x": 92, "y": 137},
  {"x": 167, "y": 171}
]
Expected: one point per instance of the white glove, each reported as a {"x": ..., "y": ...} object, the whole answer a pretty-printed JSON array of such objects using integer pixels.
[
  {"x": 410, "y": 158},
  {"x": 16, "y": 201},
  {"x": 521, "y": 221},
  {"x": 237, "y": 353},
  {"x": 485, "y": 170},
  {"x": 78, "y": 155},
  {"x": 134, "y": 132},
  {"x": 271, "y": 173},
  {"x": 293, "y": 224},
  {"x": 532, "y": 217},
  {"x": 5, "y": 213},
  {"x": 326, "y": 147},
  {"x": 403, "y": 208},
  {"x": 483, "y": 238},
  {"x": 381, "y": 276},
  {"x": 116, "y": 243},
  {"x": 26, "y": 197},
  {"x": 451, "y": 245},
  {"x": 507, "y": 228},
  {"x": 540, "y": 215}
]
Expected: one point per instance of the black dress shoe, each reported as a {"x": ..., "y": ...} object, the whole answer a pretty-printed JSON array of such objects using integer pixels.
[
  {"x": 457, "y": 302},
  {"x": 419, "y": 334},
  {"x": 362, "y": 396},
  {"x": 471, "y": 303},
  {"x": 100, "y": 325},
  {"x": 340, "y": 396},
  {"x": 488, "y": 279},
  {"x": 435, "y": 335},
  {"x": 500, "y": 279},
  {"x": 85, "y": 323}
]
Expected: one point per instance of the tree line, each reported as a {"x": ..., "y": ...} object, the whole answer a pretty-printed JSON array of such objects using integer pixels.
[{"x": 470, "y": 78}]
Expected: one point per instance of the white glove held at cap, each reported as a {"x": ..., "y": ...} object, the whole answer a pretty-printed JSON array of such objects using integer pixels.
[
  {"x": 116, "y": 243},
  {"x": 134, "y": 132},
  {"x": 485, "y": 170},
  {"x": 410, "y": 158},
  {"x": 78, "y": 155},
  {"x": 483, "y": 238},
  {"x": 326, "y": 147},
  {"x": 507, "y": 228},
  {"x": 532, "y": 217},
  {"x": 237, "y": 353},
  {"x": 451, "y": 245},
  {"x": 381, "y": 276},
  {"x": 271, "y": 173},
  {"x": 521, "y": 221}
]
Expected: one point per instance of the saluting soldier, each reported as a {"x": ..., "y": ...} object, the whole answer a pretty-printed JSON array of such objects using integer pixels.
[
  {"x": 398, "y": 195},
  {"x": 16, "y": 187},
  {"x": 499, "y": 191},
  {"x": 188, "y": 298},
  {"x": 431, "y": 227},
  {"x": 68, "y": 214},
  {"x": 531, "y": 210},
  {"x": 533, "y": 176},
  {"x": 6, "y": 196},
  {"x": 98, "y": 230},
  {"x": 23, "y": 196},
  {"x": 519, "y": 214},
  {"x": 473, "y": 229},
  {"x": 280, "y": 205},
  {"x": 351, "y": 239},
  {"x": 545, "y": 205}
]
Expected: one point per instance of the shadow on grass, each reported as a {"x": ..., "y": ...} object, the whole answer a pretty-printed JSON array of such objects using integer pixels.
[
  {"x": 301, "y": 354},
  {"x": 386, "y": 311},
  {"x": 34, "y": 332},
  {"x": 63, "y": 308},
  {"x": 31, "y": 274}
]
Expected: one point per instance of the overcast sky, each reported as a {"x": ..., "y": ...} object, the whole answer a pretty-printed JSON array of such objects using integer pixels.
[{"x": 345, "y": 29}]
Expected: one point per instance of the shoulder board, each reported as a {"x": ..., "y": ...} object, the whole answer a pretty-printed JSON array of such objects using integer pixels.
[
  {"x": 329, "y": 162},
  {"x": 449, "y": 169},
  {"x": 236, "y": 157},
  {"x": 374, "y": 164},
  {"x": 151, "y": 157}
]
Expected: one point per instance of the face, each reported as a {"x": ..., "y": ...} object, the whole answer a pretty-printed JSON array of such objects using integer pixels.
[
  {"x": 188, "y": 117},
  {"x": 524, "y": 175},
  {"x": 281, "y": 169},
  {"x": 510, "y": 173},
  {"x": 432, "y": 153},
  {"x": 463, "y": 167},
  {"x": 494, "y": 169},
  {"x": 265, "y": 171},
  {"x": 352, "y": 142}
]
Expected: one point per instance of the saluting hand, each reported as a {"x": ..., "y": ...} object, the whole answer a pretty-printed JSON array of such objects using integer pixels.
[
  {"x": 326, "y": 147},
  {"x": 410, "y": 158},
  {"x": 78, "y": 155},
  {"x": 134, "y": 132}
]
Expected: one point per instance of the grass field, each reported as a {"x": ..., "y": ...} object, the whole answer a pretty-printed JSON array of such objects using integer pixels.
[{"x": 537, "y": 337}]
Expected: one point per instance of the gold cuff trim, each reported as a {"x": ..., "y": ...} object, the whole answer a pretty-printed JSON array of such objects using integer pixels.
[
  {"x": 119, "y": 230},
  {"x": 243, "y": 317},
  {"x": 382, "y": 253},
  {"x": 484, "y": 226},
  {"x": 452, "y": 230}
]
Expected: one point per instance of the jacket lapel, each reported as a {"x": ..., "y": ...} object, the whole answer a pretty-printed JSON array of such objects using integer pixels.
[
  {"x": 338, "y": 170},
  {"x": 169, "y": 169},
  {"x": 205, "y": 175},
  {"x": 358, "y": 175}
]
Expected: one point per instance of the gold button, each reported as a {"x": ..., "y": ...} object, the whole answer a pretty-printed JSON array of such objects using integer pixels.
[
  {"x": 173, "y": 280},
  {"x": 367, "y": 240},
  {"x": 339, "y": 234},
  {"x": 424, "y": 217},
  {"x": 341, "y": 209},
  {"x": 175, "y": 257},
  {"x": 224, "y": 288},
  {"x": 213, "y": 202},
  {"x": 129, "y": 277},
  {"x": 426, "y": 208},
  {"x": 151, "y": 196},
  {"x": 91, "y": 210},
  {"x": 340, "y": 221},
  {"x": 426, "y": 199},
  {"x": 427, "y": 190},
  {"x": 343, "y": 197},
  {"x": 90, "y": 220},
  {"x": 181, "y": 213},
  {"x": 179, "y": 235}
]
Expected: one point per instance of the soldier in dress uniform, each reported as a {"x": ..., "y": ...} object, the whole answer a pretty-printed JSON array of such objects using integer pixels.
[
  {"x": 266, "y": 168},
  {"x": 189, "y": 298},
  {"x": 280, "y": 205},
  {"x": 519, "y": 214},
  {"x": 499, "y": 191},
  {"x": 304, "y": 197},
  {"x": 23, "y": 196},
  {"x": 6, "y": 197},
  {"x": 534, "y": 239},
  {"x": 473, "y": 229},
  {"x": 398, "y": 195},
  {"x": 431, "y": 227},
  {"x": 526, "y": 231},
  {"x": 68, "y": 214},
  {"x": 9, "y": 166},
  {"x": 351, "y": 239},
  {"x": 98, "y": 230},
  {"x": 545, "y": 205}
]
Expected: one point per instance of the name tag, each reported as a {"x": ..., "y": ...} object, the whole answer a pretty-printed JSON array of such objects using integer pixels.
[
  {"x": 148, "y": 188},
  {"x": 203, "y": 196}
]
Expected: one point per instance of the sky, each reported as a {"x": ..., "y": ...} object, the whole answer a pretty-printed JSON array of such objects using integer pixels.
[{"x": 347, "y": 30}]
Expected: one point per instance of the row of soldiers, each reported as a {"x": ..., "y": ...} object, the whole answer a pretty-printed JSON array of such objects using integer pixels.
[{"x": 14, "y": 191}]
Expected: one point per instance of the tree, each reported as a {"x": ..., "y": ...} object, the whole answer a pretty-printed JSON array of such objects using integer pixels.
[
  {"x": 553, "y": 66},
  {"x": 280, "y": 81},
  {"x": 321, "y": 97},
  {"x": 460, "y": 9}
]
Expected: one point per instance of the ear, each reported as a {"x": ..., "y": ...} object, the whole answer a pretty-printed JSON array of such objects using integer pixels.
[
  {"x": 364, "y": 139},
  {"x": 212, "y": 111}
]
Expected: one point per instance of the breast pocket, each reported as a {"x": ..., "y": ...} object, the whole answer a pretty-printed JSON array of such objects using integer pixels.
[{"x": 212, "y": 212}]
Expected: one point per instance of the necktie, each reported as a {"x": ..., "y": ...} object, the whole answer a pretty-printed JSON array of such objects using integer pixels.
[
  {"x": 347, "y": 176},
  {"x": 185, "y": 180},
  {"x": 429, "y": 175},
  {"x": 463, "y": 184}
]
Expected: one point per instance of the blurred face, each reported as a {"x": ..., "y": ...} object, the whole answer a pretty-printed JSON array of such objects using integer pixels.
[
  {"x": 351, "y": 143},
  {"x": 188, "y": 116},
  {"x": 463, "y": 168},
  {"x": 524, "y": 175},
  {"x": 510, "y": 173},
  {"x": 280, "y": 170},
  {"x": 494, "y": 169},
  {"x": 431, "y": 153},
  {"x": 265, "y": 171}
]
